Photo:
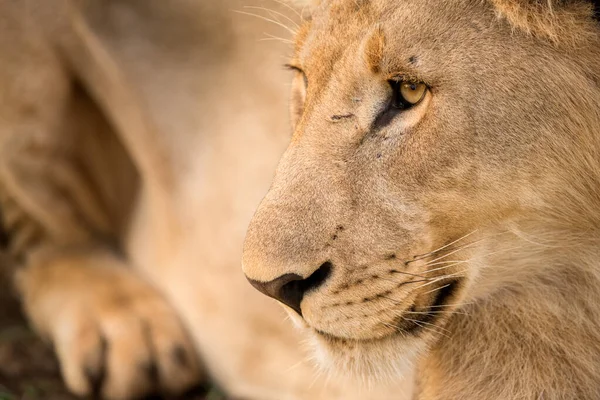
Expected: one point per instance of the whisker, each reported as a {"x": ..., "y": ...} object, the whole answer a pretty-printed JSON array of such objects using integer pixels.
[
  {"x": 539, "y": 241},
  {"x": 452, "y": 264},
  {"x": 400, "y": 330},
  {"x": 275, "y": 39},
  {"x": 390, "y": 325},
  {"x": 421, "y": 256},
  {"x": 429, "y": 283},
  {"x": 394, "y": 327},
  {"x": 271, "y": 12},
  {"x": 451, "y": 305},
  {"x": 452, "y": 252},
  {"x": 286, "y": 5},
  {"x": 405, "y": 282},
  {"x": 400, "y": 313},
  {"x": 462, "y": 247},
  {"x": 437, "y": 312},
  {"x": 317, "y": 374},
  {"x": 441, "y": 278},
  {"x": 440, "y": 288},
  {"x": 394, "y": 271},
  {"x": 429, "y": 324},
  {"x": 272, "y": 37},
  {"x": 453, "y": 275},
  {"x": 430, "y": 264},
  {"x": 419, "y": 323},
  {"x": 293, "y": 367},
  {"x": 287, "y": 28}
]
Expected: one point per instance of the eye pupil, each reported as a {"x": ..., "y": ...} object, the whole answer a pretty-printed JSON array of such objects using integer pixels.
[{"x": 407, "y": 94}]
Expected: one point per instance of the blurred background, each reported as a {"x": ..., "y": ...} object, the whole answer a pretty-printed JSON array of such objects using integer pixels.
[{"x": 207, "y": 79}]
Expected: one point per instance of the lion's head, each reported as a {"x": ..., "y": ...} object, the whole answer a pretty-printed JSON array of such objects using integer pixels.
[{"x": 439, "y": 150}]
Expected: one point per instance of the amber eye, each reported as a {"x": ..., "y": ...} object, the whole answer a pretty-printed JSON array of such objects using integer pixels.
[{"x": 407, "y": 94}]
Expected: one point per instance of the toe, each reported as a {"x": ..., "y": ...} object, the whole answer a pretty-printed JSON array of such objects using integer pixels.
[
  {"x": 178, "y": 365},
  {"x": 81, "y": 355},
  {"x": 130, "y": 365}
]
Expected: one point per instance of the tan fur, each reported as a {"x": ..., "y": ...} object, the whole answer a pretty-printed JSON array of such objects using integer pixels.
[
  {"x": 374, "y": 48},
  {"x": 550, "y": 19},
  {"x": 491, "y": 184},
  {"x": 136, "y": 140}
]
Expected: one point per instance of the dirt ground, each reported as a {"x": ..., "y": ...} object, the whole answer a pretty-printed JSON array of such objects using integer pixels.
[{"x": 28, "y": 369}]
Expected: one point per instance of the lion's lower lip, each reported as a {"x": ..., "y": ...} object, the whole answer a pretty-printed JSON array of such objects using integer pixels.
[{"x": 338, "y": 339}]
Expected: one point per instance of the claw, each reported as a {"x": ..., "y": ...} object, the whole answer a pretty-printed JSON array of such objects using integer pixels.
[{"x": 96, "y": 375}]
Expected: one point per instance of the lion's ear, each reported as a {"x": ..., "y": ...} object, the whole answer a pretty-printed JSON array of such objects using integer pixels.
[{"x": 561, "y": 21}]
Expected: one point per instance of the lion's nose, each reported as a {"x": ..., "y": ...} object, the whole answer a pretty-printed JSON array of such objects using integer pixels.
[{"x": 291, "y": 288}]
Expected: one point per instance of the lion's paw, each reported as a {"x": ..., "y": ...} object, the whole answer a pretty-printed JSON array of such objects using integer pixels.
[{"x": 115, "y": 336}]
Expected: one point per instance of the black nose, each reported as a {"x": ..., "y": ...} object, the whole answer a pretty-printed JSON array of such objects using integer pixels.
[{"x": 290, "y": 288}]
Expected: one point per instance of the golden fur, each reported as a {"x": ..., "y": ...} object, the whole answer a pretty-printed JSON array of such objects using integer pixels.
[
  {"x": 458, "y": 239},
  {"x": 135, "y": 143}
]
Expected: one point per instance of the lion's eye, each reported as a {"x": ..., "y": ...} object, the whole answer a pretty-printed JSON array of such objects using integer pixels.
[
  {"x": 407, "y": 94},
  {"x": 413, "y": 92}
]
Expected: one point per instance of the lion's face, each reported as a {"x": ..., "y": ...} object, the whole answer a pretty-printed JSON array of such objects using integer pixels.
[{"x": 422, "y": 126}]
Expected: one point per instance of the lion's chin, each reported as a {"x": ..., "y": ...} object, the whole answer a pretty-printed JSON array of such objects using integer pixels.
[{"x": 382, "y": 360}]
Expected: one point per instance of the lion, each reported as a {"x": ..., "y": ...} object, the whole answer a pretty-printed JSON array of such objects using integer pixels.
[
  {"x": 437, "y": 210},
  {"x": 136, "y": 142}
]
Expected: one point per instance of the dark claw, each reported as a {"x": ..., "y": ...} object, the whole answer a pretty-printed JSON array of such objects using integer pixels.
[
  {"x": 151, "y": 370},
  {"x": 181, "y": 357},
  {"x": 97, "y": 376}
]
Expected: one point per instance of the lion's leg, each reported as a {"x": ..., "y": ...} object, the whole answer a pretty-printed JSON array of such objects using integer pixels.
[
  {"x": 65, "y": 191},
  {"x": 113, "y": 333}
]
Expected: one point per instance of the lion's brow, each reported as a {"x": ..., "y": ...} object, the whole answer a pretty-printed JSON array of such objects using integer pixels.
[{"x": 374, "y": 49}]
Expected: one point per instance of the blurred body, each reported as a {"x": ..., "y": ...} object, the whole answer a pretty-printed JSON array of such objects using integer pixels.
[{"x": 137, "y": 139}]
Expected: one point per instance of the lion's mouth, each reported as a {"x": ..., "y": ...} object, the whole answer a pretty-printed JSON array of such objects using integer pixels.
[
  {"x": 417, "y": 319},
  {"x": 424, "y": 318}
]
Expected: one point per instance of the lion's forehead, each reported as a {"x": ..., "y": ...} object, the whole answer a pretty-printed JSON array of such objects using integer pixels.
[
  {"x": 351, "y": 16},
  {"x": 340, "y": 26},
  {"x": 414, "y": 34}
]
